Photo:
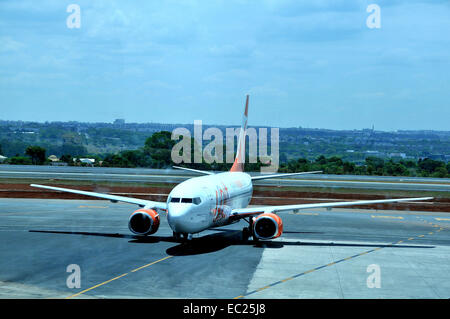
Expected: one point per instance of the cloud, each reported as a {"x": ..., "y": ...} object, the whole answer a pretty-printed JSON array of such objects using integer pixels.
[
  {"x": 295, "y": 8},
  {"x": 157, "y": 84},
  {"x": 318, "y": 52},
  {"x": 267, "y": 90},
  {"x": 10, "y": 45},
  {"x": 229, "y": 75}
]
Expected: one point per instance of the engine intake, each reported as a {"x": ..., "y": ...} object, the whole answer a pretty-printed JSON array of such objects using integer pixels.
[
  {"x": 144, "y": 222},
  {"x": 268, "y": 226}
]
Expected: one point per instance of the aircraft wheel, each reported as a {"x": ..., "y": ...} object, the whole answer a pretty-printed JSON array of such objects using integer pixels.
[{"x": 187, "y": 237}]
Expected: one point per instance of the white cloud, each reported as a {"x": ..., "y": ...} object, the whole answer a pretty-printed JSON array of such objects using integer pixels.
[
  {"x": 229, "y": 75},
  {"x": 267, "y": 90},
  {"x": 10, "y": 45}
]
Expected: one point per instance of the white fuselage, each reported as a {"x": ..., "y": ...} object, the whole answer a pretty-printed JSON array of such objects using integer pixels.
[{"x": 206, "y": 201}]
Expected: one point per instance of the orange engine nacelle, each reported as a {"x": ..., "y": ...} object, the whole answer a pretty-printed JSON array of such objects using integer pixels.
[
  {"x": 144, "y": 222},
  {"x": 268, "y": 226}
]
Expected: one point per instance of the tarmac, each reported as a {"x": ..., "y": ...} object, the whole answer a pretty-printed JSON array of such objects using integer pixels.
[{"x": 342, "y": 253}]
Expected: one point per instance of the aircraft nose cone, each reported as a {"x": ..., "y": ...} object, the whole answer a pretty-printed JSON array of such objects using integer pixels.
[
  {"x": 175, "y": 222},
  {"x": 178, "y": 219}
]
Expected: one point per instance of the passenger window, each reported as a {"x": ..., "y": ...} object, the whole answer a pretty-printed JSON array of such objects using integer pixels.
[
  {"x": 197, "y": 200},
  {"x": 175, "y": 200},
  {"x": 186, "y": 200}
]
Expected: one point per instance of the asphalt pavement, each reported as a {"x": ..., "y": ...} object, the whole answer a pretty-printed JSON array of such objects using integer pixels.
[{"x": 342, "y": 253}]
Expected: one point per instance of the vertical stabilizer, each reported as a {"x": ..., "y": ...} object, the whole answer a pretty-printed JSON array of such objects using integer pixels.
[{"x": 238, "y": 165}]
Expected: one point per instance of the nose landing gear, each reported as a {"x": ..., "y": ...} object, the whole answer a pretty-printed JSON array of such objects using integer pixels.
[{"x": 182, "y": 236}]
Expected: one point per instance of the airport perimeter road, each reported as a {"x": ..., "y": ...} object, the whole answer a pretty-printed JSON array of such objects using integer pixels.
[
  {"x": 322, "y": 254},
  {"x": 144, "y": 175}
]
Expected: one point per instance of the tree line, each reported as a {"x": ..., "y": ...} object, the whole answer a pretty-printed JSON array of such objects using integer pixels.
[
  {"x": 156, "y": 153},
  {"x": 372, "y": 166}
]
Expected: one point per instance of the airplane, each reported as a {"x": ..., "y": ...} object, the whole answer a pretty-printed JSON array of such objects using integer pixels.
[{"x": 215, "y": 200}]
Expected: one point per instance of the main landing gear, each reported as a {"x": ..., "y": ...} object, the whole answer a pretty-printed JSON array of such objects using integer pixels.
[{"x": 247, "y": 232}]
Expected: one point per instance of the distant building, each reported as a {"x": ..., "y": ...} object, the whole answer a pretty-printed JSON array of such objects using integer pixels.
[
  {"x": 53, "y": 158},
  {"x": 402, "y": 155},
  {"x": 2, "y": 158}
]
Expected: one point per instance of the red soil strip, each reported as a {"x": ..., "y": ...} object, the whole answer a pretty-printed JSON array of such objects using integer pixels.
[{"x": 261, "y": 196}]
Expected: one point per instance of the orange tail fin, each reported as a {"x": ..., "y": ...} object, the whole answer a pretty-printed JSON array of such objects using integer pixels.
[{"x": 238, "y": 165}]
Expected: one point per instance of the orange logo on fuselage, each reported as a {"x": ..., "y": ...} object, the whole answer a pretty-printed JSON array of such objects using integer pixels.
[{"x": 221, "y": 195}]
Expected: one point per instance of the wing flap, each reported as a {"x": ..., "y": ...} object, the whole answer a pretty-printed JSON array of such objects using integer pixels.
[{"x": 113, "y": 198}]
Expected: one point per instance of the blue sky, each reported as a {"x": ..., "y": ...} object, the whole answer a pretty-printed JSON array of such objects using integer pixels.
[{"x": 304, "y": 63}]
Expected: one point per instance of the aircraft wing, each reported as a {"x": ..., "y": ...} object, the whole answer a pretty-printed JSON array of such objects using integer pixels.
[
  {"x": 255, "y": 178},
  {"x": 194, "y": 170},
  {"x": 244, "y": 212},
  {"x": 113, "y": 198}
]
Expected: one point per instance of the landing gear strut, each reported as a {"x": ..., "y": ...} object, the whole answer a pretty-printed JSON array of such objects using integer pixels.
[
  {"x": 248, "y": 231},
  {"x": 176, "y": 236}
]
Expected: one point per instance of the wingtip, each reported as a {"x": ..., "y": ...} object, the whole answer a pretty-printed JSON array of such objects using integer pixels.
[
  {"x": 37, "y": 185},
  {"x": 422, "y": 198}
]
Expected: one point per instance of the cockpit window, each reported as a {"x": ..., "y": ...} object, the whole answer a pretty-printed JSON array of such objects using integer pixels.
[{"x": 195, "y": 200}]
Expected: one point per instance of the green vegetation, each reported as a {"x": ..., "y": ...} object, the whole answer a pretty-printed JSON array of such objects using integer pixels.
[
  {"x": 36, "y": 154},
  {"x": 372, "y": 166},
  {"x": 156, "y": 153},
  {"x": 19, "y": 160}
]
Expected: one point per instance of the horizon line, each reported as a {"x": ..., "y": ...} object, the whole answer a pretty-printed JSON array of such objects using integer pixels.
[{"x": 223, "y": 125}]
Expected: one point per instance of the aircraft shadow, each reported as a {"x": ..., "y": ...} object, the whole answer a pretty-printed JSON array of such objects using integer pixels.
[
  {"x": 220, "y": 240},
  {"x": 134, "y": 238}
]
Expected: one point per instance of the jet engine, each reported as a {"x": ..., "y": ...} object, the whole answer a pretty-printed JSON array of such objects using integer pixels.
[
  {"x": 144, "y": 222},
  {"x": 267, "y": 226}
]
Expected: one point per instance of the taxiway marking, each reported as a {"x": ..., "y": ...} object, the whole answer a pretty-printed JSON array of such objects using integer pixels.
[
  {"x": 115, "y": 278},
  {"x": 332, "y": 263},
  {"x": 386, "y": 216},
  {"x": 152, "y": 263},
  {"x": 309, "y": 214},
  {"x": 308, "y": 271},
  {"x": 123, "y": 275}
]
